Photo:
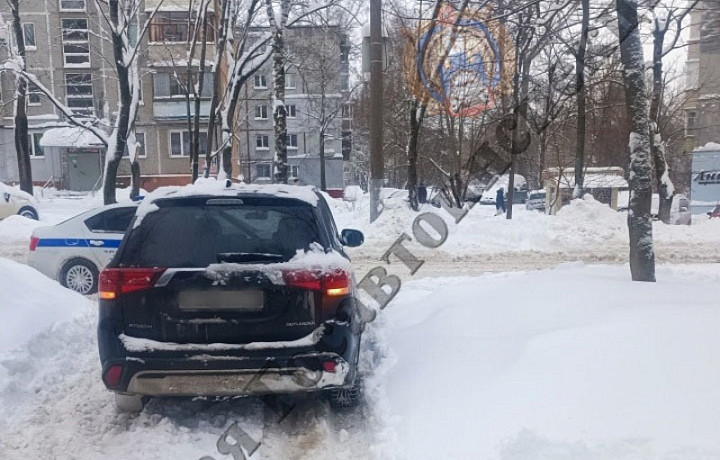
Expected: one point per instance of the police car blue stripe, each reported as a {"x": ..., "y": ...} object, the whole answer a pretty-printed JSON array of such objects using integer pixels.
[{"x": 77, "y": 243}]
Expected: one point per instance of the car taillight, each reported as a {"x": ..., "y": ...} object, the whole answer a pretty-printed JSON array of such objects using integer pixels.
[
  {"x": 112, "y": 375},
  {"x": 116, "y": 281},
  {"x": 332, "y": 284},
  {"x": 34, "y": 242}
]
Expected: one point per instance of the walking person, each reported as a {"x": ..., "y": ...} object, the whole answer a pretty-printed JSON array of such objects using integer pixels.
[{"x": 500, "y": 201}]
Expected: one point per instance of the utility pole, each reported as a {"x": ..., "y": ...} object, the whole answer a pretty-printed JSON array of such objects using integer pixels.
[{"x": 376, "y": 109}]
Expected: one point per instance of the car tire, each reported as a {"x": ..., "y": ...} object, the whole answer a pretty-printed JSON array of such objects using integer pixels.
[
  {"x": 29, "y": 212},
  {"x": 129, "y": 404},
  {"x": 80, "y": 275},
  {"x": 345, "y": 398}
]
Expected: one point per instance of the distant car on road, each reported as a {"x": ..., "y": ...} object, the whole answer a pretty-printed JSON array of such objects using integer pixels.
[
  {"x": 536, "y": 200},
  {"x": 680, "y": 213},
  {"x": 74, "y": 251},
  {"x": 14, "y": 201}
]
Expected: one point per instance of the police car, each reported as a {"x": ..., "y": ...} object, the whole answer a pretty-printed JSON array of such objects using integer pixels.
[{"x": 74, "y": 251}]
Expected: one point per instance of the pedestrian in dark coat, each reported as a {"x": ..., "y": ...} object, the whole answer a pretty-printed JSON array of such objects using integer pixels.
[
  {"x": 422, "y": 193},
  {"x": 500, "y": 200}
]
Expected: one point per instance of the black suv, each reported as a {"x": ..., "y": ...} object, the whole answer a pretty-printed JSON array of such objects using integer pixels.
[{"x": 240, "y": 291}]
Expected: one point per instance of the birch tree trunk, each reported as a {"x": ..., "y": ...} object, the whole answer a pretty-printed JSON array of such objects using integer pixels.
[
  {"x": 277, "y": 25},
  {"x": 642, "y": 254},
  {"x": 22, "y": 146}
]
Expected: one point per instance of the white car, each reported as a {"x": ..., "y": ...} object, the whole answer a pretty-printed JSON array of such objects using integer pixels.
[
  {"x": 74, "y": 251},
  {"x": 14, "y": 201}
]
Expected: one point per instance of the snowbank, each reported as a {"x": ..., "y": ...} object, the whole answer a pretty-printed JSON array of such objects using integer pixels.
[
  {"x": 31, "y": 303},
  {"x": 572, "y": 363}
]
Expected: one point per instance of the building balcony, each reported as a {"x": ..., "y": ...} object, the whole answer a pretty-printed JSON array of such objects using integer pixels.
[{"x": 177, "y": 109}]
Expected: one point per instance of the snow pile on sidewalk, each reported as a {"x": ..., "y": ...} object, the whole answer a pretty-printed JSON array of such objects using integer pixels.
[
  {"x": 572, "y": 363},
  {"x": 584, "y": 224}
]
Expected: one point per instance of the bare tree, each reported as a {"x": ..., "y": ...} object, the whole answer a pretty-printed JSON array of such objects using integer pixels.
[
  {"x": 22, "y": 146},
  {"x": 118, "y": 19},
  {"x": 666, "y": 20}
]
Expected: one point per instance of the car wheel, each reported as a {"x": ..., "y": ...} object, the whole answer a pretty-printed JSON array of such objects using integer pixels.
[
  {"x": 80, "y": 275},
  {"x": 343, "y": 398},
  {"x": 29, "y": 212},
  {"x": 129, "y": 404}
]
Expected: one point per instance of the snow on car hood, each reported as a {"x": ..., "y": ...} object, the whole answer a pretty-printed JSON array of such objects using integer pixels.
[{"x": 16, "y": 192}]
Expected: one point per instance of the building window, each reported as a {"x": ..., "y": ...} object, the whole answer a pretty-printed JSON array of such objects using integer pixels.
[
  {"x": 290, "y": 81},
  {"x": 174, "y": 27},
  {"x": 180, "y": 143},
  {"x": 262, "y": 170},
  {"x": 292, "y": 141},
  {"x": 28, "y": 30},
  {"x": 76, "y": 45},
  {"x": 690, "y": 120},
  {"x": 34, "y": 95},
  {"x": 36, "y": 149},
  {"x": 347, "y": 110},
  {"x": 260, "y": 82},
  {"x": 261, "y": 112},
  {"x": 344, "y": 82},
  {"x": 79, "y": 93},
  {"x": 262, "y": 142},
  {"x": 72, "y": 5},
  {"x": 291, "y": 111},
  {"x": 293, "y": 171}
]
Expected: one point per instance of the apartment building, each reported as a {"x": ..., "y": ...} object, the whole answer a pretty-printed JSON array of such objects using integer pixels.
[
  {"x": 65, "y": 51},
  {"x": 317, "y": 89},
  {"x": 702, "y": 77}
]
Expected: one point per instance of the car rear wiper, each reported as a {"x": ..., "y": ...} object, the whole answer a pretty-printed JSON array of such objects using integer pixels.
[{"x": 248, "y": 257}]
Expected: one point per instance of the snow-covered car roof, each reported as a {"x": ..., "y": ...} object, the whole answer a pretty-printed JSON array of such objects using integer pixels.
[{"x": 212, "y": 187}]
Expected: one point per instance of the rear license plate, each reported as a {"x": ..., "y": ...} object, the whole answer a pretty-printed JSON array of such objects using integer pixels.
[{"x": 241, "y": 300}]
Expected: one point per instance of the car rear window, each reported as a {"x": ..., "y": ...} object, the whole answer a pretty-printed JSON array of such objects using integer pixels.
[{"x": 199, "y": 235}]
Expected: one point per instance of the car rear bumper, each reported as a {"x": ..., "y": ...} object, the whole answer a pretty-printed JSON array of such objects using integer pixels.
[
  {"x": 329, "y": 363},
  {"x": 234, "y": 382}
]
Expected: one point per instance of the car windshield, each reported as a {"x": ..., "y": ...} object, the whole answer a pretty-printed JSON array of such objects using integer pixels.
[{"x": 196, "y": 236}]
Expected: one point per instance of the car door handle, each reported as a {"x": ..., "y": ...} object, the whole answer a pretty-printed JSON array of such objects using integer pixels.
[{"x": 96, "y": 242}]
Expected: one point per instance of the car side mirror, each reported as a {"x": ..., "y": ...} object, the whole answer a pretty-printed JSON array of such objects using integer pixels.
[{"x": 351, "y": 238}]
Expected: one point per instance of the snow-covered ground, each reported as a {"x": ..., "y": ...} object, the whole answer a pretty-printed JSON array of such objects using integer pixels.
[
  {"x": 571, "y": 362},
  {"x": 575, "y": 362}
]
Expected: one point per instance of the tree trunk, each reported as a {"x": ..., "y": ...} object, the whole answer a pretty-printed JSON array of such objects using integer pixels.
[
  {"x": 279, "y": 112},
  {"x": 663, "y": 183},
  {"x": 22, "y": 146},
  {"x": 417, "y": 114},
  {"x": 580, "y": 88},
  {"x": 134, "y": 179},
  {"x": 323, "y": 183},
  {"x": 219, "y": 54},
  {"x": 118, "y": 138},
  {"x": 642, "y": 254}
]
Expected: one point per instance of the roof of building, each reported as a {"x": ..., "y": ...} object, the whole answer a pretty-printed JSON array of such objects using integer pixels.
[
  {"x": 595, "y": 180},
  {"x": 69, "y": 136}
]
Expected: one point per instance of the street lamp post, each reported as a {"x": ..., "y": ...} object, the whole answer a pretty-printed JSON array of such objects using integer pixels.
[{"x": 376, "y": 110}]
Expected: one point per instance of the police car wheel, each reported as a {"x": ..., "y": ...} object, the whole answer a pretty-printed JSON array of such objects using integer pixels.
[
  {"x": 80, "y": 275},
  {"x": 29, "y": 212}
]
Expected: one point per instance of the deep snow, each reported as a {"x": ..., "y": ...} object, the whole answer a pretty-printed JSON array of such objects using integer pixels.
[
  {"x": 571, "y": 363},
  {"x": 574, "y": 362}
]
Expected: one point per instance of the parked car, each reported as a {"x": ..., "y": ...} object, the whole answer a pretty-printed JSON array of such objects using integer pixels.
[
  {"x": 536, "y": 200},
  {"x": 239, "y": 291},
  {"x": 680, "y": 213},
  {"x": 14, "y": 201},
  {"x": 73, "y": 252}
]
